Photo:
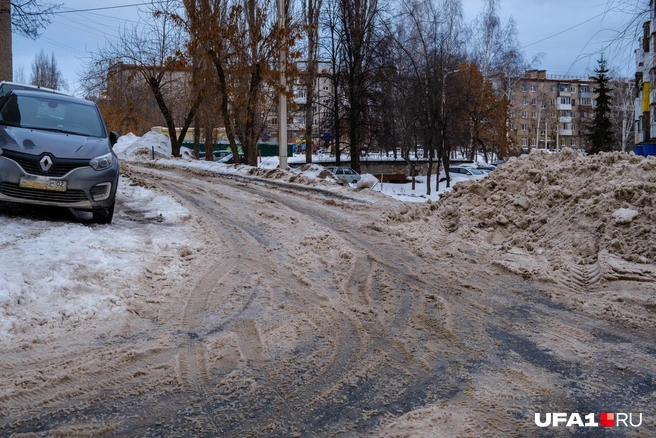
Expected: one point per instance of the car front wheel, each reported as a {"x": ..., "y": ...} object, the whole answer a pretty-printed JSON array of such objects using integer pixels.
[{"x": 103, "y": 215}]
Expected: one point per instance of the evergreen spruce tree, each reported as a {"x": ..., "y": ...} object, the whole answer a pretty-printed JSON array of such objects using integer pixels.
[{"x": 600, "y": 132}]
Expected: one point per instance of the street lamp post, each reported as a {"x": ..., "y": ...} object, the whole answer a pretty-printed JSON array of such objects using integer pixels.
[
  {"x": 439, "y": 158},
  {"x": 282, "y": 97}
]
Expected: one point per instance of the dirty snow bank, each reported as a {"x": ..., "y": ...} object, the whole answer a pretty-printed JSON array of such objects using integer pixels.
[
  {"x": 558, "y": 203},
  {"x": 133, "y": 148}
]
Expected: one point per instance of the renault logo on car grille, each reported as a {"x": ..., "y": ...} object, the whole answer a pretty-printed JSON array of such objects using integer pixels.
[{"x": 46, "y": 163}]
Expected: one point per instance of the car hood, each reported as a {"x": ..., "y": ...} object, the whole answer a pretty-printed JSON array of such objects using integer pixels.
[{"x": 35, "y": 141}]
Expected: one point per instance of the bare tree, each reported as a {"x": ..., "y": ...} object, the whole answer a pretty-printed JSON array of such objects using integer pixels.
[
  {"x": 360, "y": 22},
  {"x": 623, "y": 112},
  {"x": 332, "y": 48},
  {"x": 154, "y": 55},
  {"x": 496, "y": 50},
  {"x": 19, "y": 74},
  {"x": 29, "y": 17},
  {"x": 311, "y": 9},
  {"x": 45, "y": 72}
]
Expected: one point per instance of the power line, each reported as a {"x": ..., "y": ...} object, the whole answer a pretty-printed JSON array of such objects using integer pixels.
[
  {"x": 565, "y": 30},
  {"x": 100, "y": 9}
]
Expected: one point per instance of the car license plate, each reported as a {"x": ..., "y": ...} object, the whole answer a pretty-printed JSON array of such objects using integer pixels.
[{"x": 43, "y": 183}]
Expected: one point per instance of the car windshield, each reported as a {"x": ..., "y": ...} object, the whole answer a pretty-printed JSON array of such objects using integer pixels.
[
  {"x": 52, "y": 115},
  {"x": 476, "y": 172}
]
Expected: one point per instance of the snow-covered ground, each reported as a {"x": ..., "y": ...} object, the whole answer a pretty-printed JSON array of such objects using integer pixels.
[
  {"x": 56, "y": 273},
  {"x": 157, "y": 146},
  {"x": 41, "y": 261}
]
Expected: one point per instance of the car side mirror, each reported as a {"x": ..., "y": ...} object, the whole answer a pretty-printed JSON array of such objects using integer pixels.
[{"x": 113, "y": 137}]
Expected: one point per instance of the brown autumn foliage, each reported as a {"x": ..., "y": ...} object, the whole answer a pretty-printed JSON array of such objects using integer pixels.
[
  {"x": 240, "y": 39},
  {"x": 484, "y": 121}
]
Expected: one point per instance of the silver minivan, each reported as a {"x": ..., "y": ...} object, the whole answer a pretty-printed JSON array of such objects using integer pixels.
[
  {"x": 55, "y": 151},
  {"x": 350, "y": 175}
]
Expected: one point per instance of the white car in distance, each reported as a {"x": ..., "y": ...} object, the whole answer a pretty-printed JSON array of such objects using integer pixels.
[{"x": 462, "y": 172}]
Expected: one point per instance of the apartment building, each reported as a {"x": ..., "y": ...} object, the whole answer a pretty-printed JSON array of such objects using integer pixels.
[
  {"x": 550, "y": 112},
  {"x": 322, "y": 111},
  {"x": 645, "y": 116}
]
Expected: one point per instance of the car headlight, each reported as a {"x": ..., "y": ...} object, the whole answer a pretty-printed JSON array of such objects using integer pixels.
[{"x": 102, "y": 162}]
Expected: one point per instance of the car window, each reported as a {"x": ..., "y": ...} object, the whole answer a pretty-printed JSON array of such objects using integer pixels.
[
  {"x": 340, "y": 171},
  {"x": 476, "y": 172},
  {"x": 51, "y": 114}
]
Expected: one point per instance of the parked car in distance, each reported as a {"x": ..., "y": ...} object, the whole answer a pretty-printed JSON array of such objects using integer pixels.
[
  {"x": 350, "y": 175},
  {"x": 497, "y": 163},
  {"x": 230, "y": 159},
  {"x": 462, "y": 172},
  {"x": 55, "y": 151},
  {"x": 217, "y": 154}
]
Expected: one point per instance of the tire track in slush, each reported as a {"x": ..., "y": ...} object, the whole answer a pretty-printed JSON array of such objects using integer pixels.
[
  {"x": 423, "y": 354},
  {"x": 356, "y": 286},
  {"x": 388, "y": 350},
  {"x": 348, "y": 349},
  {"x": 250, "y": 346}
]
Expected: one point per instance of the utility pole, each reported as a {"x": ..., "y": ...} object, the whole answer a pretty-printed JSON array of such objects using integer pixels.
[
  {"x": 282, "y": 97},
  {"x": 439, "y": 158},
  {"x": 6, "y": 66}
]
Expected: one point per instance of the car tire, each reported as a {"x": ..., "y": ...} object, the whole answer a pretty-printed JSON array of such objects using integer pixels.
[{"x": 103, "y": 215}]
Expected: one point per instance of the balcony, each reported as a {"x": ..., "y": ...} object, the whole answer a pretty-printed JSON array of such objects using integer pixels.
[
  {"x": 565, "y": 132},
  {"x": 564, "y": 107},
  {"x": 565, "y": 119}
]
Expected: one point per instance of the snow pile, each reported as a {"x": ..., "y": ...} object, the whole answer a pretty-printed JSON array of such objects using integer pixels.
[
  {"x": 560, "y": 203},
  {"x": 308, "y": 174},
  {"x": 133, "y": 148}
]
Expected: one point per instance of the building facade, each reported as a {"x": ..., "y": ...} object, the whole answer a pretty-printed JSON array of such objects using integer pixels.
[
  {"x": 645, "y": 118},
  {"x": 550, "y": 112}
]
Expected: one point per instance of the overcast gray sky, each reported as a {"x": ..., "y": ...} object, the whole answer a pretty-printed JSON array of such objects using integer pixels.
[{"x": 569, "y": 33}]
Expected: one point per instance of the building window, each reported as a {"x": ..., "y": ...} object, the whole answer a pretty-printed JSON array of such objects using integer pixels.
[
  {"x": 524, "y": 101},
  {"x": 524, "y": 87},
  {"x": 573, "y": 89},
  {"x": 523, "y": 126},
  {"x": 524, "y": 114},
  {"x": 553, "y": 101},
  {"x": 534, "y": 114},
  {"x": 524, "y": 141},
  {"x": 563, "y": 141},
  {"x": 553, "y": 88},
  {"x": 533, "y": 141},
  {"x": 512, "y": 114},
  {"x": 512, "y": 101},
  {"x": 534, "y": 88},
  {"x": 534, "y": 101},
  {"x": 566, "y": 100},
  {"x": 572, "y": 141},
  {"x": 585, "y": 101}
]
